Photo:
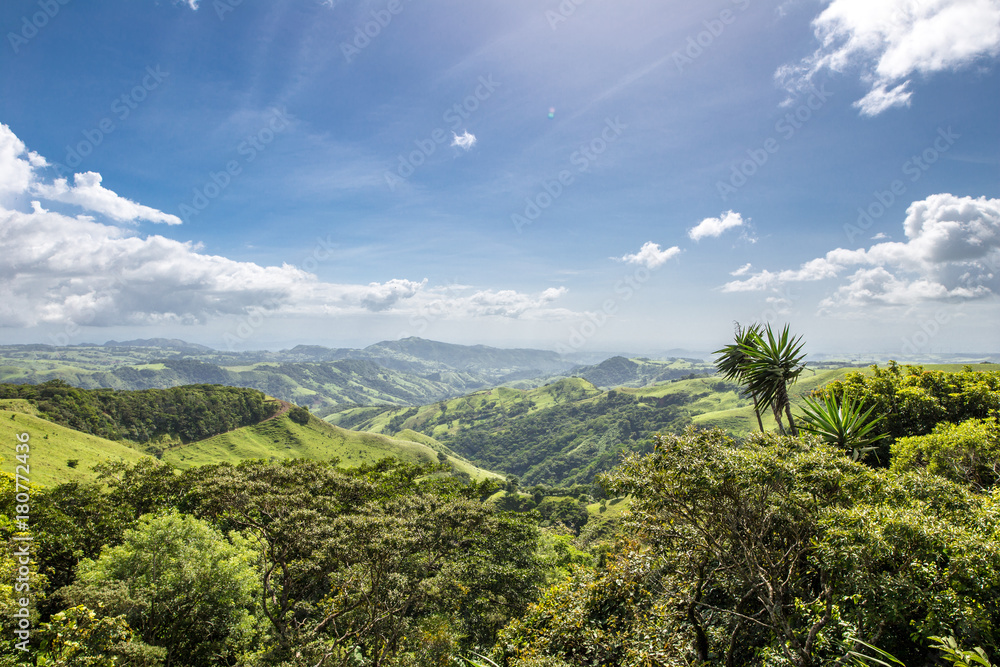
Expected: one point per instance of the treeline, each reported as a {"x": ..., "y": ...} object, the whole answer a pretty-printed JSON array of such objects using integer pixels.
[
  {"x": 192, "y": 412},
  {"x": 784, "y": 550}
]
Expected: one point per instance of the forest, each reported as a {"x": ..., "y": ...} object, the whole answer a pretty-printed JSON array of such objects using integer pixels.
[{"x": 864, "y": 530}]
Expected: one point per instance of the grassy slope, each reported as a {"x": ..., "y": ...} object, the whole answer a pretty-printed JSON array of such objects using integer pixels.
[
  {"x": 484, "y": 403},
  {"x": 282, "y": 438},
  {"x": 53, "y": 445}
]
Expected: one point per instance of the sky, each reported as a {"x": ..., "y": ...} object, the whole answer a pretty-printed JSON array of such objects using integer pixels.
[{"x": 576, "y": 175}]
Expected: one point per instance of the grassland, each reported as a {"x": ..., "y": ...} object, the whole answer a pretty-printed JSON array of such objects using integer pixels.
[
  {"x": 54, "y": 446},
  {"x": 282, "y": 438}
]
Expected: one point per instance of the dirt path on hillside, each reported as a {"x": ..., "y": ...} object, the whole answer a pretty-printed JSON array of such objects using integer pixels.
[{"x": 285, "y": 407}]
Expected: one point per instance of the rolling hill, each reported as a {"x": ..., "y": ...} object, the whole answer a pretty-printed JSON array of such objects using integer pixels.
[
  {"x": 55, "y": 447},
  {"x": 282, "y": 438}
]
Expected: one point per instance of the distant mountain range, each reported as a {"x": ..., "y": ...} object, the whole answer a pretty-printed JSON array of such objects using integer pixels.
[{"x": 411, "y": 371}]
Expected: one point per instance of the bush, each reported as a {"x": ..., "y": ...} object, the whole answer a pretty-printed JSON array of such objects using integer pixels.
[
  {"x": 299, "y": 415},
  {"x": 968, "y": 453}
]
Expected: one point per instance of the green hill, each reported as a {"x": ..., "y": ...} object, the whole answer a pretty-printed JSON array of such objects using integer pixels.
[
  {"x": 282, "y": 438},
  {"x": 54, "y": 446},
  {"x": 621, "y": 372}
]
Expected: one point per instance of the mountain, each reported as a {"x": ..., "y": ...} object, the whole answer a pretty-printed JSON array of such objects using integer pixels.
[
  {"x": 165, "y": 343},
  {"x": 411, "y": 371},
  {"x": 622, "y": 372}
]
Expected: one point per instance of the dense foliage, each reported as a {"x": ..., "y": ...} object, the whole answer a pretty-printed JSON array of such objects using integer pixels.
[
  {"x": 286, "y": 563},
  {"x": 775, "y": 551},
  {"x": 569, "y": 443},
  {"x": 913, "y": 401},
  {"x": 192, "y": 412},
  {"x": 710, "y": 550}
]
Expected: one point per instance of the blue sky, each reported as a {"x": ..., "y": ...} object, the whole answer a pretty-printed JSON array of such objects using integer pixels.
[{"x": 575, "y": 175}]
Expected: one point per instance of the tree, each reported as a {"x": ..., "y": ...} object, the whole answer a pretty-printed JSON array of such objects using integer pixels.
[
  {"x": 968, "y": 452},
  {"x": 179, "y": 584},
  {"x": 775, "y": 550},
  {"x": 771, "y": 363},
  {"x": 354, "y": 563},
  {"x": 732, "y": 363}
]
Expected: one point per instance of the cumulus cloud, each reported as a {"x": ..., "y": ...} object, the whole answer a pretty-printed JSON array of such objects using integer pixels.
[
  {"x": 890, "y": 41},
  {"x": 464, "y": 141},
  {"x": 60, "y": 269},
  {"x": 17, "y": 164},
  {"x": 743, "y": 270},
  {"x": 19, "y": 175},
  {"x": 88, "y": 193},
  {"x": 714, "y": 227},
  {"x": 651, "y": 256},
  {"x": 952, "y": 252}
]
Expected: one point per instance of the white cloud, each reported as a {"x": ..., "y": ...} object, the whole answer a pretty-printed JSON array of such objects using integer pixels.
[
  {"x": 743, "y": 270},
  {"x": 88, "y": 193},
  {"x": 714, "y": 227},
  {"x": 17, "y": 164},
  {"x": 19, "y": 176},
  {"x": 651, "y": 256},
  {"x": 193, "y": 4},
  {"x": 952, "y": 252},
  {"x": 59, "y": 269},
  {"x": 464, "y": 141},
  {"x": 890, "y": 41}
]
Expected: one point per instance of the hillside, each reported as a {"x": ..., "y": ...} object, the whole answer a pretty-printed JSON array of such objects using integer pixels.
[
  {"x": 565, "y": 432},
  {"x": 621, "y": 372},
  {"x": 55, "y": 447},
  {"x": 282, "y": 438}
]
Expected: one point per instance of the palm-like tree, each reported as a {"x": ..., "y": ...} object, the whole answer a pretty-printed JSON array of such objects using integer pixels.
[
  {"x": 732, "y": 362},
  {"x": 770, "y": 364}
]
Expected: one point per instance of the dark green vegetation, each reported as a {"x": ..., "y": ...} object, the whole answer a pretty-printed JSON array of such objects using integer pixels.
[
  {"x": 569, "y": 431},
  {"x": 566, "y": 432},
  {"x": 704, "y": 547},
  {"x": 271, "y": 563},
  {"x": 189, "y": 413}
]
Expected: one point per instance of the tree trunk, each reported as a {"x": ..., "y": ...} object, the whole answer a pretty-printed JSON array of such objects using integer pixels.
[{"x": 756, "y": 411}]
